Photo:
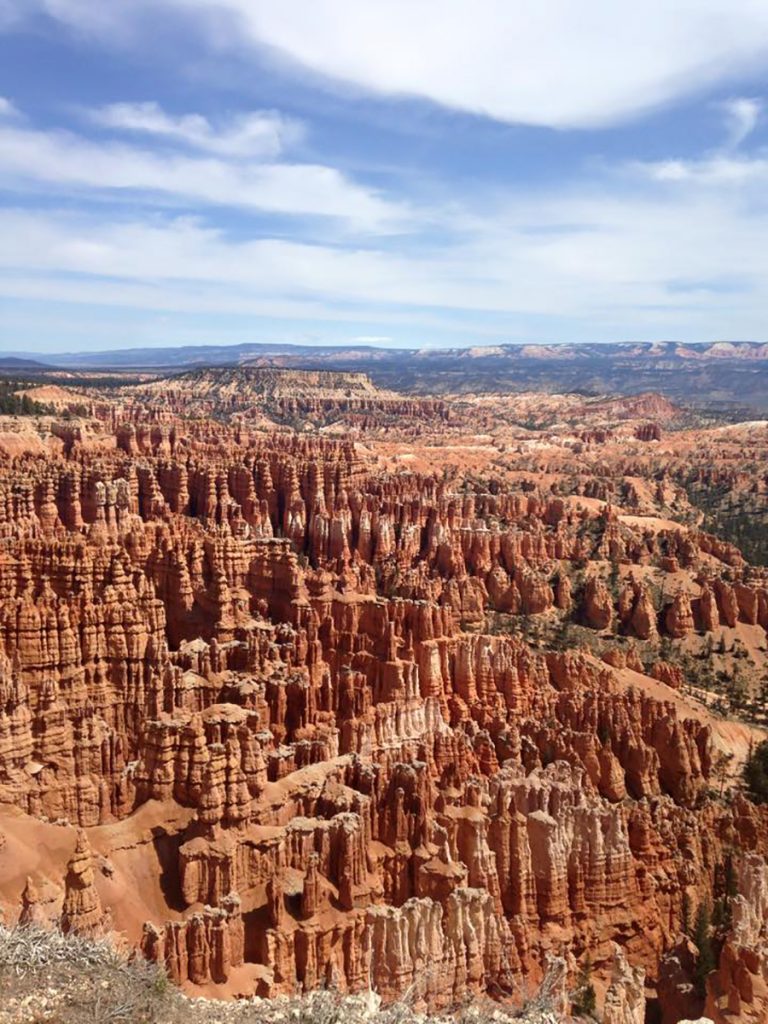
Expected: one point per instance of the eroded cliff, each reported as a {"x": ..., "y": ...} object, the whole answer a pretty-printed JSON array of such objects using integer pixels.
[{"x": 288, "y": 714}]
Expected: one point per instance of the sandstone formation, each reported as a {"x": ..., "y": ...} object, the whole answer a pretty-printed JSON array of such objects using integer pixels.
[
  {"x": 301, "y": 717},
  {"x": 82, "y": 911},
  {"x": 738, "y": 991},
  {"x": 625, "y": 998}
]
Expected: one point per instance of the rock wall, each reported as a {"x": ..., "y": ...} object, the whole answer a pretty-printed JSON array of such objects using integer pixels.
[{"x": 379, "y": 792}]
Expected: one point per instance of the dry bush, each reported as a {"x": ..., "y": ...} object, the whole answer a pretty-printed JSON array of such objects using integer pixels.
[
  {"x": 64, "y": 979},
  {"x": 50, "y": 978}
]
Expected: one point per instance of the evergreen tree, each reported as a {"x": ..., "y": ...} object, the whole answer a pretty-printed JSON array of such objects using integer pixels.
[
  {"x": 756, "y": 773},
  {"x": 584, "y": 1002},
  {"x": 730, "y": 877},
  {"x": 686, "y": 913},
  {"x": 705, "y": 962}
]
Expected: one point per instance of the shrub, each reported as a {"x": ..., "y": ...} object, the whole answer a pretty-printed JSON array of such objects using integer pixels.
[
  {"x": 50, "y": 978},
  {"x": 702, "y": 937},
  {"x": 756, "y": 773},
  {"x": 584, "y": 1002}
]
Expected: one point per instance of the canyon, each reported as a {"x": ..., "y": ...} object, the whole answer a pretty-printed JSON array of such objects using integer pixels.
[{"x": 307, "y": 682}]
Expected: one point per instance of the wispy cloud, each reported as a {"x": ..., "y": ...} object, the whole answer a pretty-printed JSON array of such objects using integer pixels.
[
  {"x": 711, "y": 171},
  {"x": 7, "y": 109},
  {"x": 264, "y": 134},
  {"x": 616, "y": 254},
  {"x": 64, "y": 162},
  {"x": 725, "y": 165},
  {"x": 172, "y": 212},
  {"x": 556, "y": 62},
  {"x": 742, "y": 115},
  {"x": 629, "y": 261}
]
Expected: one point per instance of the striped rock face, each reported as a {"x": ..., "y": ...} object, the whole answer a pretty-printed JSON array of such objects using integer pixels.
[{"x": 305, "y": 683}]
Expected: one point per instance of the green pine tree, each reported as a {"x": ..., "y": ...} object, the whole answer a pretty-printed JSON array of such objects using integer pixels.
[
  {"x": 702, "y": 937},
  {"x": 584, "y": 1003}
]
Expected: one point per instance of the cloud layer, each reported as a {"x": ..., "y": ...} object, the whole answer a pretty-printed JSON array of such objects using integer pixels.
[
  {"x": 64, "y": 162},
  {"x": 260, "y": 134},
  {"x": 201, "y": 207},
  {"x": 558, "y": 63}
]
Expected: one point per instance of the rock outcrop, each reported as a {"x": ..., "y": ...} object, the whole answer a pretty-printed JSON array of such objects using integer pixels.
[
  {"x": 309, "y": 721},
  {"x": 82, "y": 912}
]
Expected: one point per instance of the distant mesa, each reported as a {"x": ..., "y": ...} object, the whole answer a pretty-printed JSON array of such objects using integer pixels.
[
  {"x": 727, "y": 372},
  {"x": 19, "y": 363},
  {"x": 313, "y": 356}
]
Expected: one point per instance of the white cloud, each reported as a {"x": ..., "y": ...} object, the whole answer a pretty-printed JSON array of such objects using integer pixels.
[
  {"x": 742, "y": 115},
  {"x": 718, "y": 170},
  {"x": 561, "y": 63},
  {"x": 725, "y": 167},
  {"x": 638, "y": 262},
  {"x": 7, "y": 109},
  {"x": 641, "y": 251},
  {"x": 263, "y": 134},
  {"x": 63, "y": 161}
]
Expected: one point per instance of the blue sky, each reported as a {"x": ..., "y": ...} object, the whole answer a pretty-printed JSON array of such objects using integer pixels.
[{"x": 421, "y": 173}]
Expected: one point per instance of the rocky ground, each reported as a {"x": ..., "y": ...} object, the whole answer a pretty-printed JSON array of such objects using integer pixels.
[
  {"x": 49, "y": 978},
  {"x": 307, "y": 684}
]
